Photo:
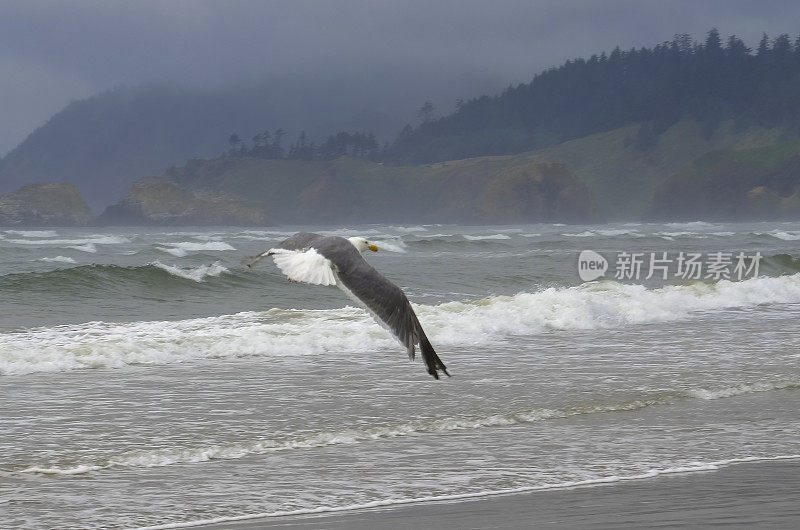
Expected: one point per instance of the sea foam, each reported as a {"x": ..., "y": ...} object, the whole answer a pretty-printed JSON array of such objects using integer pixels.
[
  {"x": 687, "y": 467},
  {"x": 58, "y": 259},
  {"x": 182, "y": 248},
  {"x": 96, "y": 240},
  {"x": 312, "y": 332},
  {"x": 197, "y": 274},
  {"x": 32, "y": 233},
  {"x": 190, "y": 455}
]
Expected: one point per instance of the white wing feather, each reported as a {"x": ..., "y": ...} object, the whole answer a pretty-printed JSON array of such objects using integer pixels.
[{"x": 309, "y": 266}]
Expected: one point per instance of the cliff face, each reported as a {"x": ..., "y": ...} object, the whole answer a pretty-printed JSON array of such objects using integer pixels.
[
  {"x": 158, "y": 201},
  {"x": 44, "y": 204},
  {"x": 348, "y": 190},
  {"x": 761, "y": 184},
  {"x": 537, "y": 193}
]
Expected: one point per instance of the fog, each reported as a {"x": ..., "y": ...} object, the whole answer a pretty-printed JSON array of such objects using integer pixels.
[{"x": 404, "y": 52}]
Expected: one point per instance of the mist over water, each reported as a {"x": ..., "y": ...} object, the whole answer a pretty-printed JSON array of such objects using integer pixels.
[{"x": 155, "y": 379}]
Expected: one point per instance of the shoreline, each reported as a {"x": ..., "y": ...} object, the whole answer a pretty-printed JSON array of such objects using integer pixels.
[{"x": 756, "y": 493}]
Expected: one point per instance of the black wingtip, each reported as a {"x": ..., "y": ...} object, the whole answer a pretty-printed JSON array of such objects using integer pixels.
[{"x": 432, "y": 361}]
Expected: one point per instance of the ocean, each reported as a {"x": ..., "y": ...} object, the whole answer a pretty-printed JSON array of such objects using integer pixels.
[{"x": 149, "y": 379}]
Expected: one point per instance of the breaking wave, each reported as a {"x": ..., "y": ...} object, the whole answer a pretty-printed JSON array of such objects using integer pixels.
[
  {"x": 197, "y": 274},
  {"x": 32, "y": 233},
  {"x": 58, "y": 259},
  {"x": 108, "y": 277},
  {"x": 95, "y": 240},
  {"x": 279, "y": 332},
  {"x": 786, "y": 236}
]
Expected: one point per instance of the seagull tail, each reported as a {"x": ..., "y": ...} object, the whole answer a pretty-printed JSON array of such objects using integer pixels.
[{"x": 432, "y": 361}]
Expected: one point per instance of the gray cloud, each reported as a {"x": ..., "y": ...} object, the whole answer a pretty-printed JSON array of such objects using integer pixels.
[{"x": 53, "y": 52}]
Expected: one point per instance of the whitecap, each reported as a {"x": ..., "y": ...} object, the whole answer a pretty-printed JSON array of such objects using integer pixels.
[
  {"x": 191, "y": 246},
  {"x": 197, "y": 274},
  {"x": 88, "y": 247},
  {"x": 391, "y": 246},
  {"x": 33, "y": 233},
  {"x": 96, "y": 240},
  {"x": 58, "y": 259},
  {"x": 177, "y": 252},
  {"x": 407, "y": 229},
  {"x": 619, "y": 232},
  {"x": 692, "y": 224},
  {"x": 485, "y": 238},
  {"x": 786, "y": 236},
  {"x": 586, "y": 233},
  {"x": 594, "y": 305}
]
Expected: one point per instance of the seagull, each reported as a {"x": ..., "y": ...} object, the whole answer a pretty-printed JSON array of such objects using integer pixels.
[{"x": 332, "y": 260}]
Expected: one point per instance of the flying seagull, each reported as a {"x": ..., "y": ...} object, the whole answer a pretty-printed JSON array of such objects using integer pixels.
[{"x": 332, "y": 260}]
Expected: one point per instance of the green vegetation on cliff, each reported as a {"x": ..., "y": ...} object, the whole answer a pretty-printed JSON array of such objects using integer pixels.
[
  {"x": 623, "y": 177},
  {"x": 351, "y": 190},
  {"x": 761, "y": 183},
  {"x": 618, "y": 175}
]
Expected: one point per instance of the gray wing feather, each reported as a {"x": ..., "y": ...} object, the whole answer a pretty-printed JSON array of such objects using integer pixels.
[
  {"x": 385, "y": 301},
  {"x": 299, "y": 241}
]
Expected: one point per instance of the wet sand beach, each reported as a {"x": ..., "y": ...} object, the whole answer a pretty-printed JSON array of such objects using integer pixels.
[{"x": 748, "y": 495}]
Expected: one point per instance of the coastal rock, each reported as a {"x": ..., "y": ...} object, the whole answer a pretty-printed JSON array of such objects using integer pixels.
[
  {"x": 44, "y": 204},
  {"x": 159, "y": 201}
]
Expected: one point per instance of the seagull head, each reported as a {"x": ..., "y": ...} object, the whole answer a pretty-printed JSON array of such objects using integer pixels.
[{"x": 362, "y": 244}]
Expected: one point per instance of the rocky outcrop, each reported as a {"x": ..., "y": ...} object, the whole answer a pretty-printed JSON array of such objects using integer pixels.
[
  {"x": 159, "y": 201},
  {"x": 44, "y": 204}
]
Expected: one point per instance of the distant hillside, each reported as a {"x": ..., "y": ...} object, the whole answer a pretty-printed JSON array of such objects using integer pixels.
[
  {"x": 622, "y": 123},
  {"x": 620, "y": 176},
  {"x": 623, "y": 176},
  {"x": 352, "y": 190},
  {"x": 103, "y": 143},
  {"x": 710, "y": 83},
  {"x": 761, "y": 183}
]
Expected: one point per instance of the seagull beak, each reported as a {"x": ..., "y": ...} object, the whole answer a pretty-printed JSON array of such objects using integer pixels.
[{"x": 373, "y": 248}]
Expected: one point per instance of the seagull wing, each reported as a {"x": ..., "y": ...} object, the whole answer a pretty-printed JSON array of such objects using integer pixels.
[
  {"x": 301, "y": 241},
  {"x": 331, "y": 260},
  {"x": 304, "y": 266},
  {"x": 385, "y": 301}
]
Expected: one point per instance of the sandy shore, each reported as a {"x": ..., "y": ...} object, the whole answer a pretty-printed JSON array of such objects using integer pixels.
[{"x": 749, "y": 495}]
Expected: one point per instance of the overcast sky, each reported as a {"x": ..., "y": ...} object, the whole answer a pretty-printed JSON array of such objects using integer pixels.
[{"x": 55, "y": 52}]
